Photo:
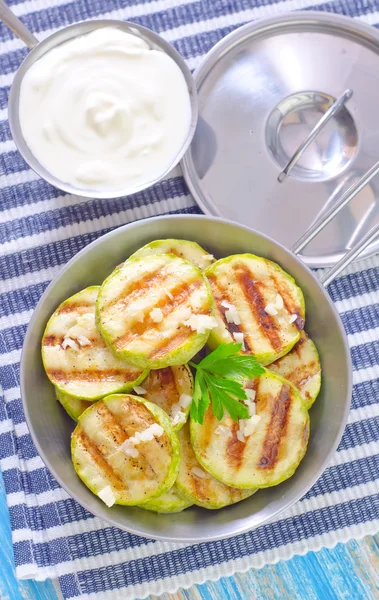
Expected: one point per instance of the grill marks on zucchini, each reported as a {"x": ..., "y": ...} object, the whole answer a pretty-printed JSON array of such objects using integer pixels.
[
  {"x": 199, "y": 486},
  {"x": 277, "y": 428},
  {"x": 92, "y": 376},
  {"x": 235, "y": 449},
  {"x": 292, "y": 307},
  {"x": 221, "y": 296},
  {"x": 180, "y": 294},
  {"x": 255, "y": 298},
  {"x": 301, "y": 367},
  {"x": 134, "y": 290},
  {"x": 251, "y": 284},
  {"x": 172, "y": 285},
  {"x": 100, "y": 461},
  {"x": 76, "y": 359},
  {"x": 164, "y": 387},
  {"x": 271, "y": 453},
  {"x": 91, "y": 452}
]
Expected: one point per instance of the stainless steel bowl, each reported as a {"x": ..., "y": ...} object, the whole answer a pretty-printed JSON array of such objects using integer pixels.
[
  {"x": 51, "y": 428},
  {"x": 38, "y": 49}
]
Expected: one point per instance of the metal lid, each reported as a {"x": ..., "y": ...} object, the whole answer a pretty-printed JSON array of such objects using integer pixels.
[{"x": 261, "y": 91}]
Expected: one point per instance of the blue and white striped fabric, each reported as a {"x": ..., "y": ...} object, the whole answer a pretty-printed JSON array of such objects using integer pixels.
[{"x": 40, "y": 230}]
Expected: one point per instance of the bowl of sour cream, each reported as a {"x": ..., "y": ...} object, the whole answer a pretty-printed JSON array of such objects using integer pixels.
[{"x": 103, "y": 108}]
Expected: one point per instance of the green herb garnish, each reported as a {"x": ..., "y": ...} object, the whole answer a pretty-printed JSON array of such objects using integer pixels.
[{"x": 219, "y": 380}]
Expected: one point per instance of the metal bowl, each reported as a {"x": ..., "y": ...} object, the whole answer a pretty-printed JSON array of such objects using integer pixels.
[
  {"x": 63, "y": 35},
  {"x": 50, "y": 427}
]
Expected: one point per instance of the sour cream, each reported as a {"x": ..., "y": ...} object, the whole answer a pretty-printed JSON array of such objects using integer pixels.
[{"x": 104, "y": 111}]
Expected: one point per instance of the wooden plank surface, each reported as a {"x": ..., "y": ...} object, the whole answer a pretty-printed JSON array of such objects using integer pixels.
[{"x": 347, "y": 572}]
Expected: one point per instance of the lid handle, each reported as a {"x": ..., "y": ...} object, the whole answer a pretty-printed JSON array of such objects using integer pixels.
[{"x": 332, "y": 110}]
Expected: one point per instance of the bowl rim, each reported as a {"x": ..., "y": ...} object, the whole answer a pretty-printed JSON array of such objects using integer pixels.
[
  {"x": 239, "y": 529},
  {"x": 82, "y": 28}
]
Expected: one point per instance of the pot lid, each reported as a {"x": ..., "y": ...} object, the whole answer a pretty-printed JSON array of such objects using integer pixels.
[{"x": 261, "y": 91}]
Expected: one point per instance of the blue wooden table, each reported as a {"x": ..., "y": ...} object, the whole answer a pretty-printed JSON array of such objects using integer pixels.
[{"x": 348, "y": 572}]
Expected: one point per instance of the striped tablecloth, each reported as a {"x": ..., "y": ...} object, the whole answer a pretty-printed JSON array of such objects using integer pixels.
[{"x": 40, "y": 230}]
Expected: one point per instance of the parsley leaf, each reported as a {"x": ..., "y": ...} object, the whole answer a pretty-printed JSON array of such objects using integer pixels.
[
  {"x": 219, "y": 381},
  {"x": 200, "y": 399}
]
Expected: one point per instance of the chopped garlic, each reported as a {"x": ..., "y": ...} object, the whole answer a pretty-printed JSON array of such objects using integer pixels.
[
  {"x": 251, "y": 394},
  {"x": 224, "y": 431},
  {"x": 279, "y": 302},
  {"x": 227, "y": 304},
  {"x": 240, "y": 436},
  {"x": 107, "y": 496},
  {"x": 250, "y": 425},
  {"x": 198, "y": 473},
  {"x": 83, "y": 340},
  {"x": 156, "y": 315},
  {"x": 231, "y": 315},
  {"x": 83, "y": 325},
  {"x": 252, "y": 408},
  {"x": 129, "y": 449},
  {"x": 201, "y": 323},
  {"x": 139, "y": 390},
  {"x": 179, "y": 417},
  {"x": 239, "y": 337},
  {"x": 137, "y": 313},
  {"x": 270, "y": 309},
  {"x": 147, "y": 435},
  {"x": 226, "y": 334},
  {"x": 69, "y": 342},
  {"x": 183, "y": 313},
  {"x": 185, "y": 400},
  {"x": 168, "y": 293},
  {"x": 208, "y": 257},
  {"x": 150, "y": 433},
  {"x": 293, "y": 318}
]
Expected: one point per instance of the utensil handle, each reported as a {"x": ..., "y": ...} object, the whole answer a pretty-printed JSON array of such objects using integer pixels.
[
  {"x": 350, "y": 256},
  {"x": 308, "y": 236},
  {"x": 14, "y": 23},
  {"x": 350, "y": 193}
]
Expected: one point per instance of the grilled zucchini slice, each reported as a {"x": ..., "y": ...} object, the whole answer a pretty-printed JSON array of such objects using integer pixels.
[
  {"x": 198, "y": 485},
  {"x": 169, "y": 503},
  {"x": 257, "y": 303},
  {"x": 75, "y": 357},
  {"x": 144, "y": 304},
  {"x": 271, "y": 453},
  {"x": 103, "y": 461},
  {"x": 302, "y": 367},
  {"x": 74, "y": 407},
  {"x": 183, "y": 248},
  {"x": 170, "y": 388}
]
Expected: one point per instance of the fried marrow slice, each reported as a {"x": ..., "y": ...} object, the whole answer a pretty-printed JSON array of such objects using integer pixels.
[
  {"x": 257, "y": 303},
  {"x": 74, "y": 407},
  {"x": 108, "y": 463},
  {"x": 170, "y": 388},
  {"x": 198, "y": 485},
  {"x": 75, "y": 357},
  {"x": 271, "y": 453},
  {"x": 155, "y": 311},
  {"x": 183, "y": 248},
  {"x": 301, "y": 367},
  {"x": 169, "y": 503}
]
